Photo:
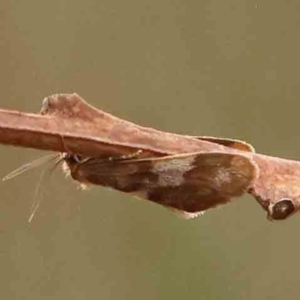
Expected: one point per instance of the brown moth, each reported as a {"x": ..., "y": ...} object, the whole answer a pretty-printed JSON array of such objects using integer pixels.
[{"x": 187, "y": 183}]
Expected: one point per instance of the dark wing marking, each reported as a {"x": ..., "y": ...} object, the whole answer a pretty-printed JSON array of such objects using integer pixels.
[
  {"x": 188, "y": 183},
  {"x": 230, "y": 143}
]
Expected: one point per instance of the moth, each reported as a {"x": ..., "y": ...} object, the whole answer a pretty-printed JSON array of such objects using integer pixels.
[
  {"x": 186, "y": 183},
  {"x": 189, "y": 184}
]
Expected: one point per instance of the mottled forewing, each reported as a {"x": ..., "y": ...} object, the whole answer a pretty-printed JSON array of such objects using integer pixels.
[{"x": 188, "y": 183}]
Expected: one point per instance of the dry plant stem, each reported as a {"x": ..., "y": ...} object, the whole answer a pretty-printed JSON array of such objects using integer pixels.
[
  {"x": 68, "y": 124},
  {"x": 66, "y": 121}
]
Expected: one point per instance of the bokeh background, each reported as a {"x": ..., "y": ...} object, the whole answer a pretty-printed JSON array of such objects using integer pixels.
[{"x": 222, "y": 68}]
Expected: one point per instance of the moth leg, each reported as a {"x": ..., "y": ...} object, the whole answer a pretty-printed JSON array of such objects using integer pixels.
[
  {"x": 76, "y": 159},
  {"x": 135, "y": 154}
]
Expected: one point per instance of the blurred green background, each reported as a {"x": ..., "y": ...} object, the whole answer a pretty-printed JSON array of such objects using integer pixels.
[{"x": 223, "y": 68}]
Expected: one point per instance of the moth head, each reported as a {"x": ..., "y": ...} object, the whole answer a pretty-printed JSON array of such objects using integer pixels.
[
  {"x": 281, "y": 210},
  {"x": 71, "y": 163},
  {"x": 72, "y": 158}
]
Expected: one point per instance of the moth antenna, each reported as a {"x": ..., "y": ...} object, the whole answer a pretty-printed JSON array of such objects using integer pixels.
[
  {"x": 38, "y": 200},
  {"x": 31, "y": 165}
]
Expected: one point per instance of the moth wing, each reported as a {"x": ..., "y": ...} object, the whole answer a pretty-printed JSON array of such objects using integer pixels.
[
  {"x": 186, "y": 183},
  {"x": 230, "y": 143}
]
